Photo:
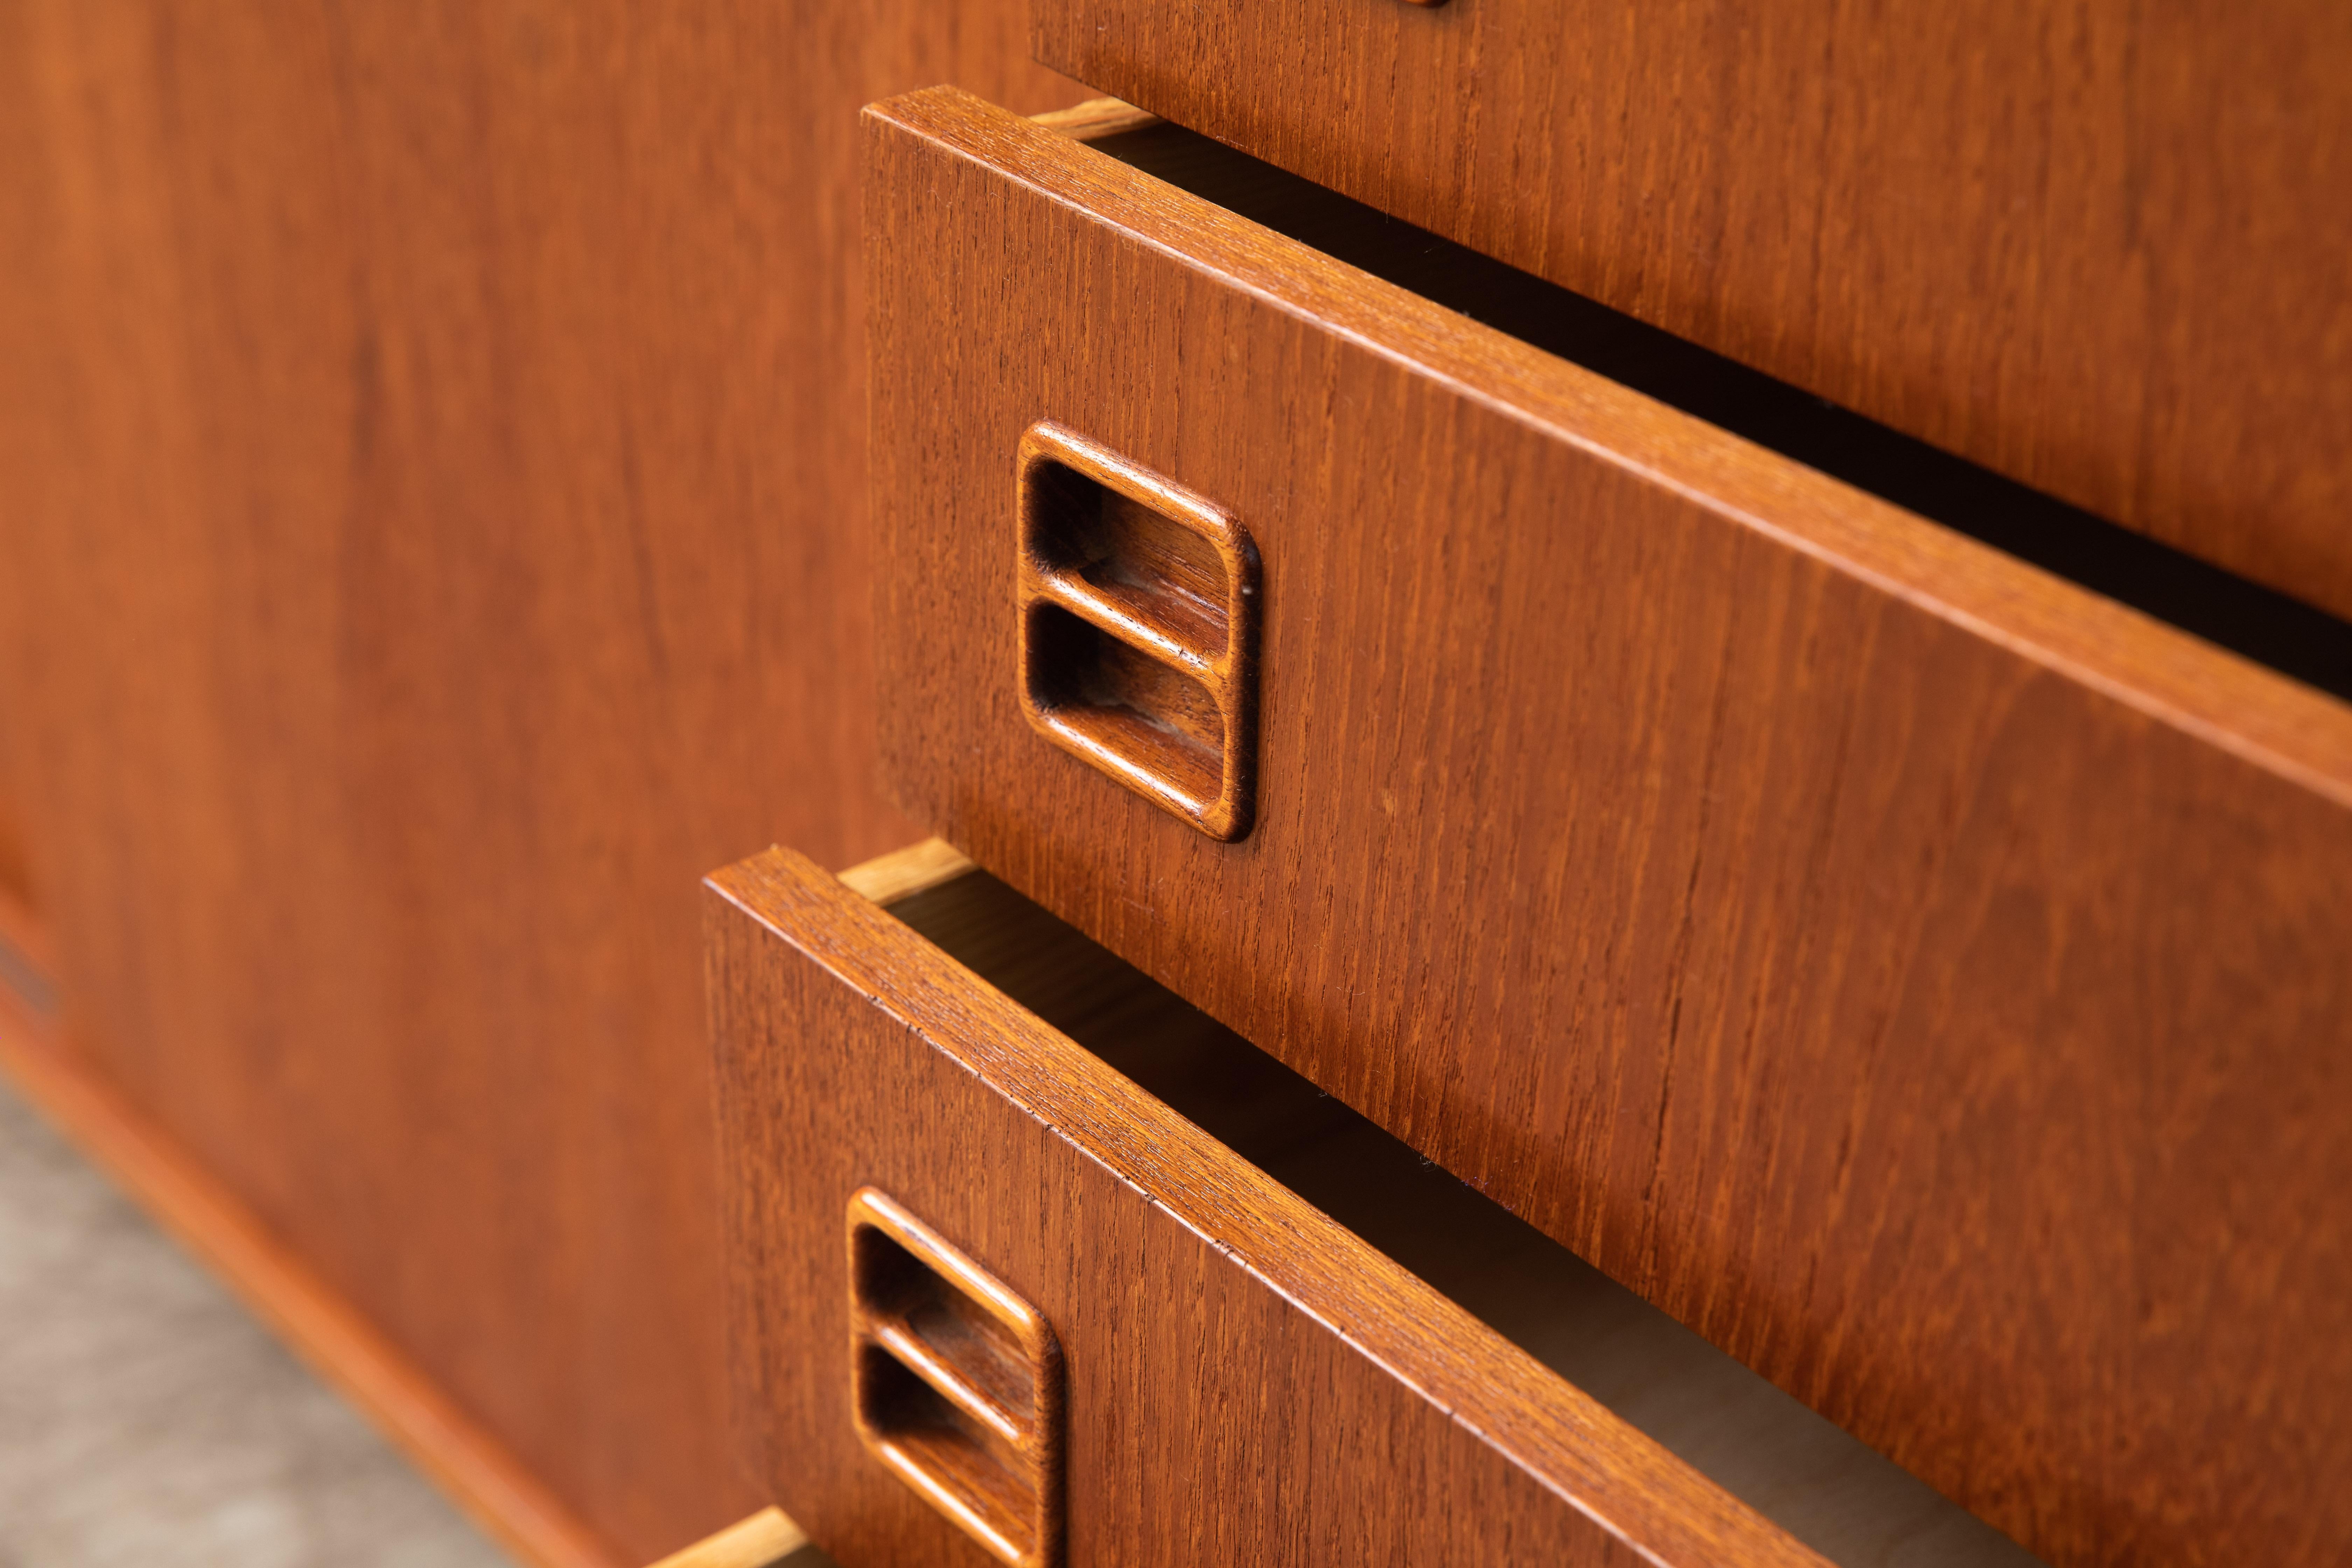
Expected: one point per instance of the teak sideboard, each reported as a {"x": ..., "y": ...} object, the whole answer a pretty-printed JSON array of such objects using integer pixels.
[{"x": 1087, "y": 783}]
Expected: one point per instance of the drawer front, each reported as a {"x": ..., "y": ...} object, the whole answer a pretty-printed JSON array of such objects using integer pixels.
[
  {"x": 1925, "y": 978},
  {"x": 2128, "y": 287},
  {"x": 1241, "y": 1380}
]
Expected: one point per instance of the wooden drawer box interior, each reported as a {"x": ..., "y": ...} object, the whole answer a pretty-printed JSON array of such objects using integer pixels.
[{"x": 1286, "y": 1337}]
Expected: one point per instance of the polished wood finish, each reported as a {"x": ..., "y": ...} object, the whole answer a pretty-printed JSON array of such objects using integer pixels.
[
  {"x": 2099, "y": 247},
  {"x": 1138, "y": 605},
  {"x": 467, "y": 1462},
  {"x": 955, "y": 1383},
  {"x": 766, "y": 1538},
  {"x": 1247, "y": 1381},
  {"x": 1923, "y": 977},
  {"x": 1096, "y": 117},
  {"x": 432, "y": 448},
  {"x": 1815, "y": 1482}
]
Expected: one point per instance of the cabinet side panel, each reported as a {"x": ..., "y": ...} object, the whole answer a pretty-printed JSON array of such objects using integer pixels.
[{"x": 432, "y": 450}]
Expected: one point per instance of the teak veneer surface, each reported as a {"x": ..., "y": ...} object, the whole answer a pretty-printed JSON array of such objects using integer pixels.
[
  {"x": 431, "y": 454},
  {"x": 1924, "y": 978},
  {"x": 1247, "y": 1381},
  {"x": 1804, "y": 1476},
  {"x": 470, "y": 1463},
  {"x": 2097, "y": 246}
]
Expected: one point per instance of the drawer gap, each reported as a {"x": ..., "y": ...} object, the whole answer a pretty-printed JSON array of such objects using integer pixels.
[
  {"x": 1794, "y": 1467},
  {"x": 2294, "y": 638}
]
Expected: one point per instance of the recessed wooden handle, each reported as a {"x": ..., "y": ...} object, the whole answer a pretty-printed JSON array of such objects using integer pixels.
[
  {"x": 957, "y": 1383},
  {"x": 1139, "y": 605}
]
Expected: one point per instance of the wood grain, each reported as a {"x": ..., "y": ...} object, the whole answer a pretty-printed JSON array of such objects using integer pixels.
[
  {"x": 432, "y": 443},
  {"x": 889, "y": 878},
  {"x": 470, "y": 1463},
  {"x": 2098, "y": 246},
  {"x": 1095, "y": 119},
  {"x": 1139, "y": 606},
  {"x": 1922, "y": 977},
  {"x": 955, "y": 1383},
  {"x": 1811, "y": 1480},
  {"x": 766, "y": 1537},
  {"x": 1247, "y": 1381}
]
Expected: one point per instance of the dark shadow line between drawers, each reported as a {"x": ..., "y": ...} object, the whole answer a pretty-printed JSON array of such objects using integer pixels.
[
  {"x": 2272, "y": 628},
  {"x": 1813, "y": 1479}
]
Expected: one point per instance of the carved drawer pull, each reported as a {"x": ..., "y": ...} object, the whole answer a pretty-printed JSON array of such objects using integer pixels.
[
  {"x": 1139, "y": 605},
  {"x": 958, "y": 1383}
]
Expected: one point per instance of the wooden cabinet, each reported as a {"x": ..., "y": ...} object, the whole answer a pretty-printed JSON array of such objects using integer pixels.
[
  {"x": 2096, "y": 245},
  {"x": 1247, "y": 1379},
  {"x": 1924, "y": 977},
  {"x": 431, "y": 482},
  {"x": 1863, "y": 885}
]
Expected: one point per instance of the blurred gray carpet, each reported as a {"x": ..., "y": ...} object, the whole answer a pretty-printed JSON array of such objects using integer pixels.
[{"x": 146, "y": 1419}]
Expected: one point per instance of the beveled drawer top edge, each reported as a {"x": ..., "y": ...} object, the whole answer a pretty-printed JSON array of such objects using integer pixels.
[
  {"x": 2229, "y": 702},
  {"x": 1606, "y": 1469}
]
